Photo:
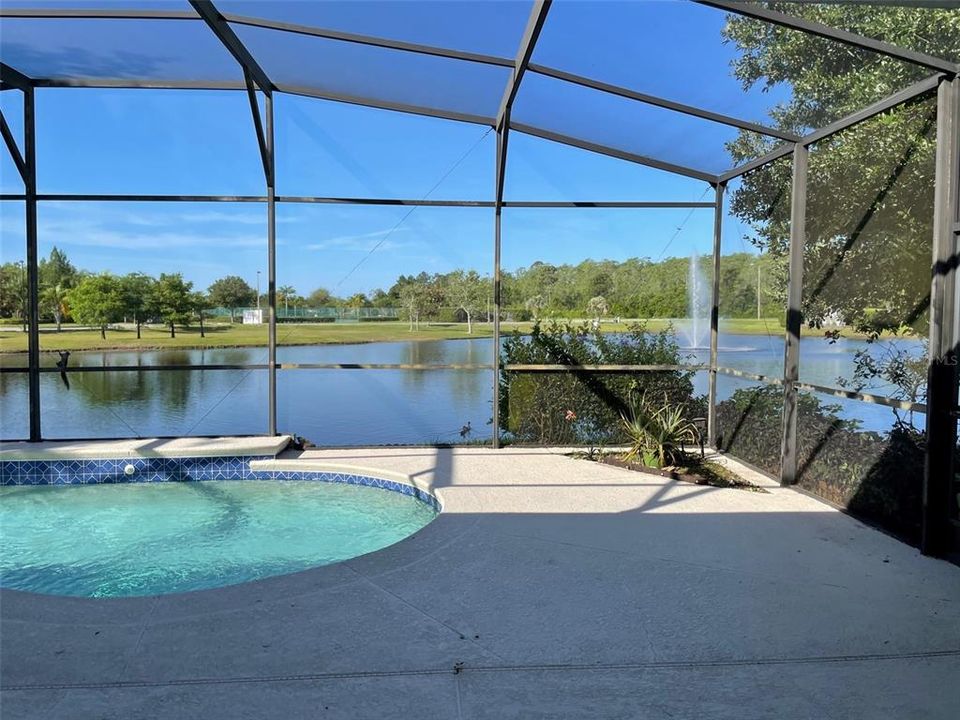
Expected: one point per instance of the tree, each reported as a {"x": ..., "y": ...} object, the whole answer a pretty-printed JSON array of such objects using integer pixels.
[
  {"x": 57, "y": 270},
  {"x": 869, "y": 206},
  {"x": 13, "y": 290},
  {"x": 286, "y": 293},
  {"x": 56, "y": 276},
  {"x": 319, "y": 298},
  {"x": 200, "y": 302},
  {"x": 412, "y": 299},
  {"x": 357, "y": 300},
  {"x": 138, "y": 300},
  {"x": 233, "y": 293},
  {"x": 54, "y": 299},
  {"x": 466, "y": 291},
  {"x": 597, "y": 308},
  {"x": 174, "y": 300},
  {"x": 534, "y": 305},
  {"x": 97, "y": 300}
]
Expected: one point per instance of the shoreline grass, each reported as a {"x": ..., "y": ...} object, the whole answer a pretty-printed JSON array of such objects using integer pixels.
[{"x": 239, "y": 336}]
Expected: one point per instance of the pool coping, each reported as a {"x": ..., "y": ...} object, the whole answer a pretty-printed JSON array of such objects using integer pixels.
[{"x": 239, "y": 446}]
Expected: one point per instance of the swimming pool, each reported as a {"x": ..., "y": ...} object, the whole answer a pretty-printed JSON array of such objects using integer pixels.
[{"x": 119, "y": 539}]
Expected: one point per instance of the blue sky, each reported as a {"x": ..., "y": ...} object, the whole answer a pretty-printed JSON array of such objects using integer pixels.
[{"x": 202, "y": 142}]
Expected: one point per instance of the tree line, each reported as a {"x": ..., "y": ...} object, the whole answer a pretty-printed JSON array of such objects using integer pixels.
[{"x": 638, "y": 287}]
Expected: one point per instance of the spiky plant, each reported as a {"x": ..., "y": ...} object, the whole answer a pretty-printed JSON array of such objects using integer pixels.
[{"x": 658, "y": 433}]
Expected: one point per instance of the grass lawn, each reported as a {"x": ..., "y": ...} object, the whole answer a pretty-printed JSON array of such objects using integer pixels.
[{"x": 226, "y": 335}]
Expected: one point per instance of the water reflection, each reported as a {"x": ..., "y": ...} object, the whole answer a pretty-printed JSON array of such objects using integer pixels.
[{"x": 332, "y": 407}]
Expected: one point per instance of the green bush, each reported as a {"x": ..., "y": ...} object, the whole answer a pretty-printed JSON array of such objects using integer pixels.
[
  {"x": 585, "y": 407},
  {"x": 877, "y": 476}
]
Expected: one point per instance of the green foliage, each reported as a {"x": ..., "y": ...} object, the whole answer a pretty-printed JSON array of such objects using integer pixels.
[
  {"x": 869, "y": 208},
  {"x": 138, "y": 298},
  {"x": 597, "y": 307},
  {"x": 57, "y": 270},
  {"x": 232, "y": 292},
  {"x": 319, "y": 298},
  {"x": 466, "y": 291},
  {"x": 878, "y": 476},
  {"x": 97, "y": 300},
  {"x": 173, "y": 299},
  {"x": 13, "y": 290},
  {"x": 658, "y": 433},
  {"x": 585, "y": 407}
]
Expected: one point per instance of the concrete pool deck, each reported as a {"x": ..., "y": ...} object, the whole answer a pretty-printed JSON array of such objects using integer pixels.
[{"x": 548, "y": 588}]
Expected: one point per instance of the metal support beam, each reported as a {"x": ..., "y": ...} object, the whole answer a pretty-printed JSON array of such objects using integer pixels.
[
  {"x": 499, "y": 174},
  {"x": 528, "y": 42},
  {"x": 17, "y": 79},
  {"x": 918, "y": 91},
  {"x": 324, "y": 200},
  {"x": 12, "y": 147},
  {"x": 939, "y": 503},
  {"x": 614, "y": 152},
  {"x": 33, "y": 269},
  {"x": 258, "y": 125},
  {"x": 368, "y": 40},
  {"x": 715, "y": 317},
  {"x": 793, "y": 22},
  {"x": 662, "y": 102},
  {"x": 791, "y": 352},
  {"x": 271, "y": 268},
  {"x": 538, "y": 14},
  {"x": 206, "y": 10}
]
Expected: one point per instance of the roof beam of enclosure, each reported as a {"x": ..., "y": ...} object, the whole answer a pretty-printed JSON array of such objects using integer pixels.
[
  {"x": 229, "y": 38},
  {"x": 529, "y": 41},
  {"x": 15, "y": 78},
  {"x": 368, "y": 40},
  {"x": 662, "y": 102},
  {"x": 98, "y": 14},
  {"x": 408, "y": 202},
  {"x": 280, "y": 87},
  {"x": 138, "y": 84},
  {"x": 265, "y": 156},
  {"x": 287, "y": 27},
  {"x": 614, "y": 152},
  {"x": 386, "y": 105},
  {"x": 12, "y": 147},
  {"x": 917, "y": 91},
  {"x": 793, "y": 22}
]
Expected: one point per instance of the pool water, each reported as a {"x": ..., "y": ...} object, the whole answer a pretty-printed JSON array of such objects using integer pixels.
[{"x": 128, "y": 539}]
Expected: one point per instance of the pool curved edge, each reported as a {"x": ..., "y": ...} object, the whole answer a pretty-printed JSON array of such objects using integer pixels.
[
  {"x": 26, "y": 605},
  {"x": 352, "y": 474}
]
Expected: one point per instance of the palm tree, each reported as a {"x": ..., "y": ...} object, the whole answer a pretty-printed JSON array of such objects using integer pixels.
[
  {"x": 55, "y": 298},
  {"x": 286, "y": 292}
]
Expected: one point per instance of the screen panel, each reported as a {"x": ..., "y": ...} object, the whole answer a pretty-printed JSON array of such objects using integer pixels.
[
  {"x": 376, "y": 73},
  {"x": 177, "y": 142},
  {"x": 98, "y": 48},
  {"x": 468, "y": 25},
  {"x": 340, "y": 150},
  {"x": 624, "y": 124}
]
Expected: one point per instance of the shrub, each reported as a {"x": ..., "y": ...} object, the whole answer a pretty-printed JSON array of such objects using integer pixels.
[
  {"x": 877, "y": 476},
  {"x": 583, "y": 407}
]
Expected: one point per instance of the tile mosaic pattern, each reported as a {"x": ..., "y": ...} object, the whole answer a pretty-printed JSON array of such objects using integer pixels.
[{"x": 185, "y": 469}]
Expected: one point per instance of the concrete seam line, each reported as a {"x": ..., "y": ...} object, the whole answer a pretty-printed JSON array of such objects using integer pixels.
[{"x": 661, "y": 665}]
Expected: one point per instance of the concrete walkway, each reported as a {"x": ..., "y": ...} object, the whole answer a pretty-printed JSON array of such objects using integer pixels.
[{"x": 548, "y": 588}]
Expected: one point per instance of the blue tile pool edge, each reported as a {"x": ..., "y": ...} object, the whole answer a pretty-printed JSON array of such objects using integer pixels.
[{"x": 182, "y": 469}]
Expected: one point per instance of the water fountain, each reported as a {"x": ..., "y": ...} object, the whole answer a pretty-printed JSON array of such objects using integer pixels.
[{"x": 694, "y": 332}]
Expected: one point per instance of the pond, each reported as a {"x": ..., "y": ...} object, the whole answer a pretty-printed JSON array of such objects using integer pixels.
[{"x": 345, "y": 407}]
